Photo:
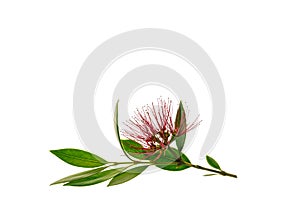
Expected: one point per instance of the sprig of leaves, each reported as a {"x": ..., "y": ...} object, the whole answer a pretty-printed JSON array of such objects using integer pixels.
[
  {"x": 170, "y": 158},
  {"x": 121, "y": 172}
]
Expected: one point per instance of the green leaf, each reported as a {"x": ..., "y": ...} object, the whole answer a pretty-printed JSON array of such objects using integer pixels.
[
  {"x": 180, "y": 142},
  {"x": 79, "y": 176},
  {"x": 96, "y": 178},
  {"x": 134, "y": 149},
  {"x": 169, "y": 160},
  {"x": 212, "y": 162},
  {"x": 79, "y": 158},
  {"x": 127, "y": 175},
  {"x": 180, "y": 125},
  {"x": 116, "y": 122},
  {"x": 210, "y": 174},
  {"x": 116, "y": 125}
]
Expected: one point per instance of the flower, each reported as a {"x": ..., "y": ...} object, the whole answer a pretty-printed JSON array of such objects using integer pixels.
[{"x": 153, "y": 128}]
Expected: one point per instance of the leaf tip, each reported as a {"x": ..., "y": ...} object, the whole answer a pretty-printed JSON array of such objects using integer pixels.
[
  {"x": 117, "y": 102},
  {"x": 54, "y": 152},
  {"x": 55, "y": 183},
  {"x": 181, "y": 106}
]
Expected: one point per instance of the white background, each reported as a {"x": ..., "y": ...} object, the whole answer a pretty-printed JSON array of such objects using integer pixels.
[
  {"x": 254, "y": 44},
  {"x": 148, "y": 93}
]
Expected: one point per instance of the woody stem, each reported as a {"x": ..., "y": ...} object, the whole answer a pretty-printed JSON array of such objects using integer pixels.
[{"x": 221, "y": 172}]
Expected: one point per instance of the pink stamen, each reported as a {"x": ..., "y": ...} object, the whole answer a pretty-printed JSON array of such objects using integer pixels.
[{"x": 153, "y": 126}]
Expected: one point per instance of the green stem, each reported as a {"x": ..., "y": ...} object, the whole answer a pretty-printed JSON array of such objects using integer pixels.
[
  {"x": 125, "y": 163},
  {"x": 221, "y": 172},
  {"x": 137, "y": 162}
]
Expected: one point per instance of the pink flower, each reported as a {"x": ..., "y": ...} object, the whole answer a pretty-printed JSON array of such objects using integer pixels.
[{"x": 153, "y": 126}]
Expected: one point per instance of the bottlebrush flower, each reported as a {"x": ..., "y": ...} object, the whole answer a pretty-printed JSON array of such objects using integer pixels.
[{"x": 152, "y": 126}]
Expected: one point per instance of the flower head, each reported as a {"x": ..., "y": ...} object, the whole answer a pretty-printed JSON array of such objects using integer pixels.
[{"x": 152, "y": 126}]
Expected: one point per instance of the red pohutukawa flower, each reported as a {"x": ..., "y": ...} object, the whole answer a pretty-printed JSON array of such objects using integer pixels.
[{"x": 153, "y": 127}]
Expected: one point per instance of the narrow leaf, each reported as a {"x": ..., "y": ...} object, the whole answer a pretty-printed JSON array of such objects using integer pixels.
[
  {"x": 96, "y": 178},
  {"x": 212, "y": 162},
  {"x": 116, "y": 122},
  {"x": 127, "y": 175},
  {"x": 180, "y": 125},
  {"x": 79, "y": 158},
  {"x": 134, "y": 149},
  {"x": 116, "y": 125},
  {"x": 210, "y": 174},
  {"x": 79, "y": 176}
]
